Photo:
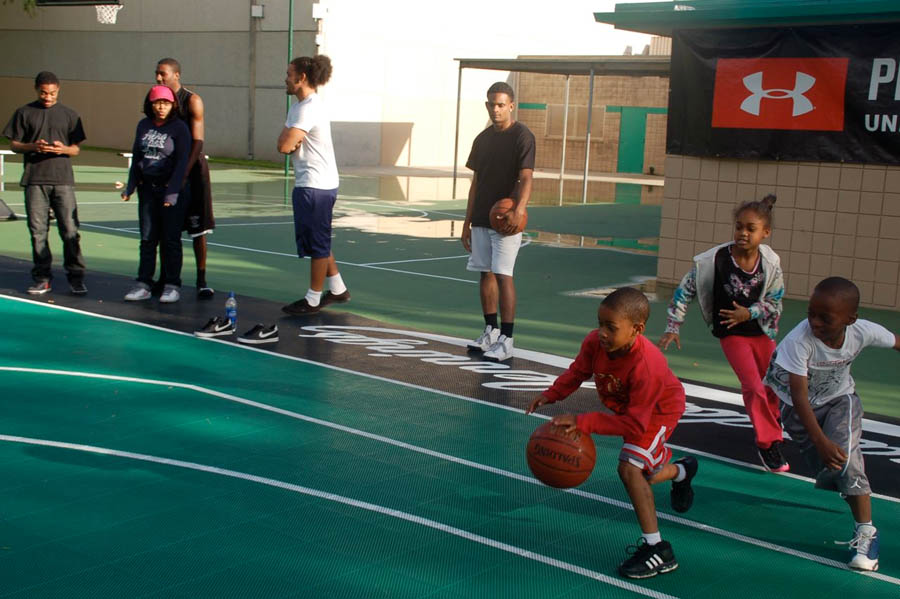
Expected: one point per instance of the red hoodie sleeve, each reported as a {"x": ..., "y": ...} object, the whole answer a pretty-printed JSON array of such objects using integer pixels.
[
  {"x": 579, "y": 371},
  {"x": 643, "y": 394}
]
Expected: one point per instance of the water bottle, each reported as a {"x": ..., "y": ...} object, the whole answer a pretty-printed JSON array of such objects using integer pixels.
[{"x": 231, "y": 309}]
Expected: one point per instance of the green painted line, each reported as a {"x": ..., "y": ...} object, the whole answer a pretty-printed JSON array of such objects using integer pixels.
[
  {"x": 644, "y": 109},
  {"x": 532, "y": 106}
]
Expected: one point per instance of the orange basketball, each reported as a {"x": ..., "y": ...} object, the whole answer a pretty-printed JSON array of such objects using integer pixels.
[
  {"x": 499, "y": 209},
  {"x": 559, "y": 459}
]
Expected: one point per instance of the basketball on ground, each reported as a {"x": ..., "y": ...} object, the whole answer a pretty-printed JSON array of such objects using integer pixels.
[
  {"x": 559, "y": 459},
  {"x": 499, "y": 210}
]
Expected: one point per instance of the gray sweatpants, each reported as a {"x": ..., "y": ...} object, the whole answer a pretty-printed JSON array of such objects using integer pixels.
[{"x": 841, "y": 421}]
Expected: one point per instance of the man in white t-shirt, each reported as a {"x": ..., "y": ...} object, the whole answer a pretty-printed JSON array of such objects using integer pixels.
[
  {"x": 810, "y": 373},
  {"x": 307, "y": 138}
]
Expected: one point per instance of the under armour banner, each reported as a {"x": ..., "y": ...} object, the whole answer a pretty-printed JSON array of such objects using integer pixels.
[{"x": 791, "y": 93}]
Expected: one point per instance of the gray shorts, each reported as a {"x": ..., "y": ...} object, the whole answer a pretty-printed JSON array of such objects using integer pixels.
[
  {"x": 841, "y": 421},
  {"x": 493, "y": 252}
]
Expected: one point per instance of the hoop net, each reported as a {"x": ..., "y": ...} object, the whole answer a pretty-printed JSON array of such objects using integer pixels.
[{"x": 107, "y": 13}]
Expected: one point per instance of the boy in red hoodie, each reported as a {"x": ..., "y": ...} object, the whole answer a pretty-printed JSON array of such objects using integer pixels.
[{"x": 643, "y": 402}]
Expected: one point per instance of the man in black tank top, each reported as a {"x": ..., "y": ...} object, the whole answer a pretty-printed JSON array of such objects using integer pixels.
[{"x": 197, "y": 191}]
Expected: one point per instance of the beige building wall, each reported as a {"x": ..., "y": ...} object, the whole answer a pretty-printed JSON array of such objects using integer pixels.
[
  {"x": 106, "y": 69},
  {"x": 547, "y": 92},
  {"x": 830, "y": 220}
]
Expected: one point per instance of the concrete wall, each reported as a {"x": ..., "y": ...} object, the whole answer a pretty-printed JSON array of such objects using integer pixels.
[
  {"x": 107, "y": 69},
  {"x": 830, "y": 220},
  {"x": 541, "y": 98}
]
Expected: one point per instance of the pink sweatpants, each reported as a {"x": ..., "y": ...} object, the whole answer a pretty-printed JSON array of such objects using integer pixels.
[{"x": 749, "y": 358}]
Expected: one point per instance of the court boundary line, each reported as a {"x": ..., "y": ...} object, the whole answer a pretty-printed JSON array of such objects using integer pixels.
[
  {"x": 284, "y": 254},
  {"x": 348, "y": 501},
  {"x": 401, "y": 383},
  {"x": 715, "y": 530}
]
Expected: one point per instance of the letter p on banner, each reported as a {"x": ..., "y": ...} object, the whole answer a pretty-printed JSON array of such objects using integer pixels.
[{"x": 780, "y": 93}]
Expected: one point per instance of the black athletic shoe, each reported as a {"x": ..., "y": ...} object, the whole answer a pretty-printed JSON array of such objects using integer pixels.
[
  {"x": 648, "y": 560},
  {"x": 205, "y": 293},
  {"x": 77, "y": 287},
  {"x": 300, "y": 308},
  {"x": 260, "y": 334},
  {"x": 773, "y": 459},
  {"x": 682, "y": 494},
  {"x": 39, "y": 288},
  {"x": 216, "y": 327},
  {"x": 331, "y": 298}
]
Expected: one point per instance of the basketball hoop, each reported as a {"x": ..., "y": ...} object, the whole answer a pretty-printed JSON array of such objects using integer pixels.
[{"x": 107, "y": 13}]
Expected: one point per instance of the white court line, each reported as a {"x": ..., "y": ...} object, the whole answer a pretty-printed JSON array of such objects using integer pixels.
[
  {"x": 271, "y": 253},
  {"x": 364, "y": 505},
  {"x": 531, "y": 355},
  {"x": 415, "y": 260},
  {"x": 450, "y": 458}
]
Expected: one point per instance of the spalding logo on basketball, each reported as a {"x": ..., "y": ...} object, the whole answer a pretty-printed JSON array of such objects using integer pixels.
[
  {"x": 499, "y": 210},
  {"x": 560, "y": 459}
]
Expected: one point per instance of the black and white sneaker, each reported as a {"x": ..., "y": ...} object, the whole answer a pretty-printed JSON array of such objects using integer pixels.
[
  {"x": 260, "y": 334},
  {"x": 772, "y": 458},
  {"x": 648, "y": 560},
  {"x": 39, "y": 288},
  {"x": 682, "y": 494},
  {"x": 206, "y": 293},
  {"x": 216, "y": 327},
  {"x": 77, "y": 287}
]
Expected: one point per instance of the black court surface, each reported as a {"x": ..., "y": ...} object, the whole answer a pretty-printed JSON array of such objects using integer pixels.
[{"x": 357, "y": 459}]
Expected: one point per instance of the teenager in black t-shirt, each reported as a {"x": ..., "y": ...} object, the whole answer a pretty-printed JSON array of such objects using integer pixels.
[
  {"x": 502, "y": 157},
  {"x": 48, "y": 134}
]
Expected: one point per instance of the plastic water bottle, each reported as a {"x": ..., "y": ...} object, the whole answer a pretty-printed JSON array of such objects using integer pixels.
[{"x": 231, "y": 309}]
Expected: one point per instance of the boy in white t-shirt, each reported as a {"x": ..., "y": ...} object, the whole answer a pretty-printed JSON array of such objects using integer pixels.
[{"x": 810, "y": 373}]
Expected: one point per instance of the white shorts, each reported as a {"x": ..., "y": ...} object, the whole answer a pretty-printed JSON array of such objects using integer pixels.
[{"x": 493, "y": 252}]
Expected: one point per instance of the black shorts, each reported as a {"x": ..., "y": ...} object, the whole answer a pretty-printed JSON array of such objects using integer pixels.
[{"x": 198, "y": 220}]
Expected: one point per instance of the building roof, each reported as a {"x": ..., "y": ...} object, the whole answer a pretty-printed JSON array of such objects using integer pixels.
[
  {"x": 639, "y": 66},
  {"x": 662, "y": 18}
]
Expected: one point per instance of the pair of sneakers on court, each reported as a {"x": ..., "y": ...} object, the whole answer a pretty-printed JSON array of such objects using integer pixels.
[{"x": 496, "y": 346}]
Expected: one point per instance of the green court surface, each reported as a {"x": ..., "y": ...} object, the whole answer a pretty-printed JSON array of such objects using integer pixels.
[
  {"x": 140, "y": 462},
  {"x": 405, "y": 265}
]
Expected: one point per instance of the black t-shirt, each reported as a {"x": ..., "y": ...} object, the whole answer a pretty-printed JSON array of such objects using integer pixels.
[
  {"x": 57, "y": 123},
  {"x": 497, "y": 157},
  {"x": 732, "y": 283}
]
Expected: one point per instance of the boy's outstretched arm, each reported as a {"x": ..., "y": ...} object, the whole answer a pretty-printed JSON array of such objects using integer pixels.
[
  {"x": 831, "y": 453},
  {"x": 540, "y": 400}
]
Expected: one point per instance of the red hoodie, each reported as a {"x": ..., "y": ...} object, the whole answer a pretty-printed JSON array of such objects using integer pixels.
[{"x": 635, "y": 387}]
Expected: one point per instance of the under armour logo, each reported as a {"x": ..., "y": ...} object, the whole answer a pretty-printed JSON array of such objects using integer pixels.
[
  {"x": 780, "y": 93},
  {"x": 802, "y": 84}
]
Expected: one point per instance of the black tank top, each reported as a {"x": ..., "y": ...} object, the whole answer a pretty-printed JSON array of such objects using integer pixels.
[{"x": 184, "y": 98}]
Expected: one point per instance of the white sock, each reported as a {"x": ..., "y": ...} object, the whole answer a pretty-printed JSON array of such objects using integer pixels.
[
  {"x": 861, "y": 524},
  {"x": 682, "y": 473},
  {"x": 313, "y": 298},
  {"x": 336, "y": 284},
  {"x": 652, "y": 538}
]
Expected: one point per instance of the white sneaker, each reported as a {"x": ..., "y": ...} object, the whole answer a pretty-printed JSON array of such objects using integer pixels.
[
  {"x": 138, "y": 293},
  {"x": 488, "y": 338},
  {"x": 864, "y": 548},
  {"x": 501, "y": 350},
  {"x": 170, "y": 295}
]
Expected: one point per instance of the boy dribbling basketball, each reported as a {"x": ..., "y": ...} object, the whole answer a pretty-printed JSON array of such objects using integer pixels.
[{"x": 645, "y": 401}]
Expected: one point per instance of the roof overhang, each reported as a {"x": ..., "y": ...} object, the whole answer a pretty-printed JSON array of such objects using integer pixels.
[
  {"x": 662, "y": 18},
  {"x": 634, "y": 66}
]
